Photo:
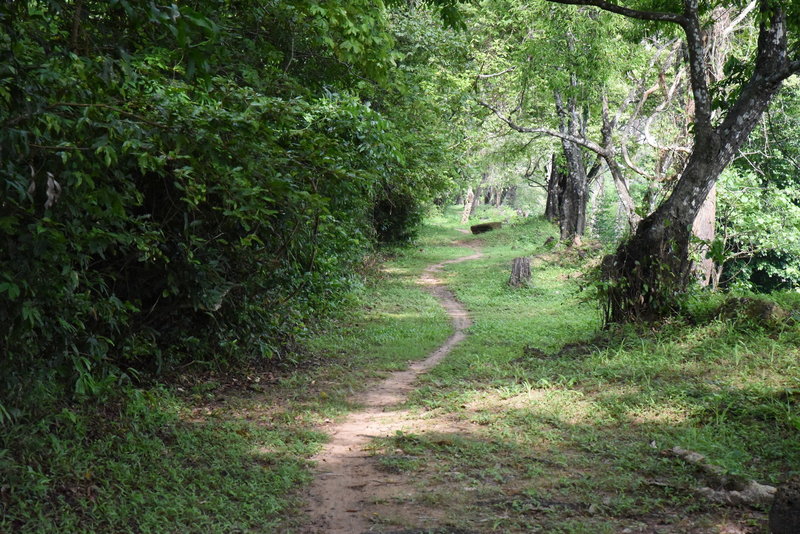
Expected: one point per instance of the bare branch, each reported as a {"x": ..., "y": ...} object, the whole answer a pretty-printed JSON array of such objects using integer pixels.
[
  {"x": 59, "y": 147},
  {"x": 632, "y": 166},
  {"x": 738, "y": 20},
  {"x": 494, "y": 75},
  {"x": 648, "y": 137},
  {"x": 621, "y": 10},
  {"x": 586, "y": 143}
]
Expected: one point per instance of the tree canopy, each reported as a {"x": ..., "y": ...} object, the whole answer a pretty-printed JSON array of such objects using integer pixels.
[{"x": 195, "y": 182}]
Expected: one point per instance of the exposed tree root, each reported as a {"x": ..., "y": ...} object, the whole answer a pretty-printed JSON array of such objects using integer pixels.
[{"x": 733, "y": 490}]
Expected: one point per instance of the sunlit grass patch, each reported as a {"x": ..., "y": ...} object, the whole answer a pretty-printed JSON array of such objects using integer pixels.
[{"x": 600, "y": 408}]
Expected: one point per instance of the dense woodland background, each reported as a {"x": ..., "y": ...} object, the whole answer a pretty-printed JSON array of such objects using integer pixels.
[{"x": 192, "y": 186}]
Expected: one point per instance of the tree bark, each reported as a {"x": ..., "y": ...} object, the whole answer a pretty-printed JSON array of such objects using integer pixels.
[
  {"x": 499, "y": 193},
  {"x": 468, "y": 204},
  {"x": 594, "y": 201},
  {"x": 572, "y": 217},
  {"x": 704, "y": 229},
  {"x": 477, "y": 197},
  {"x": 76, "y": 26},
  {"x": 511, "y": 197},
  {"x": 572, "y": 212},
  {"x": 520, "y": 272},
  {"x": 554, "y": 186}
]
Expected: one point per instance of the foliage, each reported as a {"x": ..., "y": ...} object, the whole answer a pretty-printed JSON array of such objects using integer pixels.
[
  {"x": 216, "y": 452},
  {"x": 758, "y": 204},
  {"x": 748, "y": 246},
  {"x": 193, "y": 183}
]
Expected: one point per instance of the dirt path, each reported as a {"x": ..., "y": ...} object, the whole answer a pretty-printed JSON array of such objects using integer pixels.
[{"x": 346, "y": 476}]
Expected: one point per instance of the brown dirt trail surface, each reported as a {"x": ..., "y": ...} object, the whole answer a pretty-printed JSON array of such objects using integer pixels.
[{"x": 346, "y": 477}]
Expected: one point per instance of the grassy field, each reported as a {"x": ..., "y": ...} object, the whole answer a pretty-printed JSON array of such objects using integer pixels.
[
  {"x": 539, "y": 421},
  {"x": 562, "y": 427}
]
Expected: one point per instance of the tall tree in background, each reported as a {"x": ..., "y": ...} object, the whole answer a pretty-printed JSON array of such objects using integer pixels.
[{"x": 552, "y": 65}]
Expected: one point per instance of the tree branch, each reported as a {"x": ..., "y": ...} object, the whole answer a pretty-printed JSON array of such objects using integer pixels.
[
  {"x": 735, "y": 22},
  {"x": 690, "y": 22},
  {"x": 658, "y": 16},
  {"x": 697, "y": 67},
  {"x": 594, "y": 147},
  {"x": 121, "y": 111},
  {"x": 511, "y": 69}
]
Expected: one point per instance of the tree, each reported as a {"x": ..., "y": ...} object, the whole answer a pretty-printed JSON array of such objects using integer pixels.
[
  {"x": 571, "y": 63},
  {"x": 648, "y": 270},
  {"x": 180, "y": 185}
]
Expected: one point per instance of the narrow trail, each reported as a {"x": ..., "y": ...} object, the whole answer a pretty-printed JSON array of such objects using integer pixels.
[{"x": 346, "y": 477}]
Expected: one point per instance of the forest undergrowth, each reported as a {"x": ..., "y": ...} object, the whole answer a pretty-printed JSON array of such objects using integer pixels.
[{"x": 548, "y": 422}]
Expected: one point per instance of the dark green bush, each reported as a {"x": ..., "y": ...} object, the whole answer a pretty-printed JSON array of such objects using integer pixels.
[{"x": 180, "y": 186}]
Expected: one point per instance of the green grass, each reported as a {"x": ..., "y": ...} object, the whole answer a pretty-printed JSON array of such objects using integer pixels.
[
  {"x": 215, "y": 453},
  {"x": 551, "y": 425},
  {"x": 593, "y": 420},
  {"x": 142, "y": 465}
]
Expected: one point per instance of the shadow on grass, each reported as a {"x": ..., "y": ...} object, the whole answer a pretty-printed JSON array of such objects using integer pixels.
[{"x": 578, "y": 480}]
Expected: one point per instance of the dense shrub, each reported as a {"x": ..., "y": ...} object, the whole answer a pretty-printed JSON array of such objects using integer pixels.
[{"x": 187, "y": 184}]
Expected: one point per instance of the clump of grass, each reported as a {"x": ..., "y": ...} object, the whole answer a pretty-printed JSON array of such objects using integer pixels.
[{"x": 137, "y": 464}]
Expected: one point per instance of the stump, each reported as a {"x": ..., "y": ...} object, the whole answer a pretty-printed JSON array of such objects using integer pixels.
[
  {"x": 520, "y": 272},
  {"x": 485, "y": 227}
]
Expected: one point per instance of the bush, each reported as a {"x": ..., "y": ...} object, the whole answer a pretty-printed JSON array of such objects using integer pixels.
[{"x": 191, "y": 194}]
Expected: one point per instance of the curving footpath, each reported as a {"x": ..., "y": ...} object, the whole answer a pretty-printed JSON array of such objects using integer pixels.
[{"x": 346, "y": 477}]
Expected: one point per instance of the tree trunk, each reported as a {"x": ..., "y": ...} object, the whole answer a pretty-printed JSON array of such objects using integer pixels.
[
  {"x": 653, "y": 267},
  {"x": 499, "y": 192},
  {"x": 567, "y": 195},
  {"x": 649, "y": 270},
  {"x": 511, "y": 197},
  {"x": 520, "y": 272},
  {"x": 704, "y": 229},
  {"x": 468, "y": 205},
  {"x": 572, "y": 213},
  {"x": 554, "y": 186},
  {"x": 572, "y": 218},
  {"x": 595, "y": 198},
  {"x": 476, "y": 198}
]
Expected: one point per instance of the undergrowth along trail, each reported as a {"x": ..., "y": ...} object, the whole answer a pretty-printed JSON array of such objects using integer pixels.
[{"x": 212, "y": 451}]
